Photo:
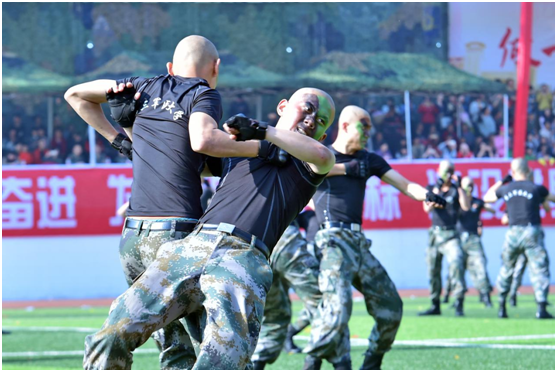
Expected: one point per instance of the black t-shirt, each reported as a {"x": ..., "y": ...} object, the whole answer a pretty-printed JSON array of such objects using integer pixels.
[
  {"x": 308, "y": 222},
  {"x": 341, "y": 198},
  {"x": 166, "y": 171},
  {"x": 523, "y": 200},
  {"x": 446, "y": 217},
  {"x": 468, "y": 221},
  {"x": 261, "y": 198}
]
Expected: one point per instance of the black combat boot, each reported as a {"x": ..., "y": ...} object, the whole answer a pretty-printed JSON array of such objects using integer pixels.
[
  {"x": 345, "y": 364},
  {"x": 512, "y": 300},
  {"x": 486, "y": 299},
  {"x": 258, "y": 365},
  {"x": 435, "y": 309},
  {"x": 372, "y": 361},
  {"x": 289, "y": 345},
  {"x": 542, "y": 312},
  {"x": 502, "y": 309},
  {"x": 459, "y": 307},
  {"x": 311, "y": 363}
]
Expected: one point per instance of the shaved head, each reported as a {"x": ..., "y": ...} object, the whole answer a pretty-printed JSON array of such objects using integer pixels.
[
  {"x": 446, "y": 166},
  {"x": 352, "y": 113},
  {"x": 520, "y": 166},
  {"x": 467, "y": 181},
  {"x": 196, "y": 56},
  {"x": 321, "y": 94}
]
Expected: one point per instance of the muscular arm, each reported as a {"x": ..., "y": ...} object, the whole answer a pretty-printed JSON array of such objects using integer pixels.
[
  {"x": 206, "y": 138},
  {"x": 463, "y": 200},
  {"x": 489, "y": 208},
  {"x": 305, "y": 148},
  {"x": 490, "y": 196},
  {"x": 408, "y": 188},
  {"x": 550, "y": 198},
  {"x": 86, "y": 100},
  {"x": 339, "y": 169}
]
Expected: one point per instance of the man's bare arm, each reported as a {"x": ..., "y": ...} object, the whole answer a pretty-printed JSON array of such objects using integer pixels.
[
  {"x": 491, "y": 196},
  {"x": 305, "y": 148},
  {"x": 489, "y": 208},
  {"x": 550, "y": 197},
  {"x": 206, "y": 138},
  {"x": 409, "y": 188},
  {"x": 86, "y": 100}
]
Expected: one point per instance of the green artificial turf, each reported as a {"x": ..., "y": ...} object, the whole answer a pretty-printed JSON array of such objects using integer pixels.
[{"x": 478, "y": 322}]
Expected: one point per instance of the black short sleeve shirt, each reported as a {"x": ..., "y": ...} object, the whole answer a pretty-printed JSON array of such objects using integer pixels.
[
  {"x": 523, "y": 199},
  {"x": 261, "y": 198},
  {"x": 468, "y": 221},
  {"x": 448, "y": 216},
  {"x": 341, "y": 198},
  {"x": 166, "y": 171}
]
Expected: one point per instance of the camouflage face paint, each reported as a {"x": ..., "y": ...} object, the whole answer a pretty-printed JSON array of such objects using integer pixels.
[{"x": 315, "y": 110}]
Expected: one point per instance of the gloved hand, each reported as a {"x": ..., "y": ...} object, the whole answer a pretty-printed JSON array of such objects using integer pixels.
[
  {"x": 273, "y": 155},
  {"x": 248, "y": 128},
  {"x": 439, "y": 183},
  {"x": 356, "y": 168},
  {"x": 123, "y": 106},
  {"x": 458, "y": 181},
  {"x": 434, "y": 198},
  {"x": 508, "y": 178},
  {"x": 123, "y": 145}
]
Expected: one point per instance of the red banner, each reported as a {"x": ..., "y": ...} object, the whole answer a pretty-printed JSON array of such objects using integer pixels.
[{"x": 84, "y": 201}]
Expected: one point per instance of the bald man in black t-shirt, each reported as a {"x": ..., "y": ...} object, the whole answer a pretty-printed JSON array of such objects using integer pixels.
[
  {"x": 219, "y": 275},
  {"x": 523, "y": 199},
  {"x": 343, "y": 249}
]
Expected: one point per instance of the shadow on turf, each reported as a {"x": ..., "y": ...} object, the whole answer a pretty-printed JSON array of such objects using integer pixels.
[{"x": 22, "y": 360}]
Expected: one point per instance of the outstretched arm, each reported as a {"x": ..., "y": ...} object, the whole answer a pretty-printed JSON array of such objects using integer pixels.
[
  {"x": 413, "y": 190},
  {"x": 302, "y": 147},
  {"x": 550, "y": 198},
  {"x": 489, "y": 208}
]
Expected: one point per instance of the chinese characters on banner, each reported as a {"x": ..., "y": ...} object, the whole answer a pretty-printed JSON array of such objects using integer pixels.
[{"x": 69, "y": 201}]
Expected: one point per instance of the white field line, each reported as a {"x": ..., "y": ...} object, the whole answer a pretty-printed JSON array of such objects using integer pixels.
[{"x": 448, "y": 342}]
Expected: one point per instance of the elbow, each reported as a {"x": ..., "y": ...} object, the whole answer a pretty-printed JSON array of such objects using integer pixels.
[
  {"x": 70, "y": 95},
  {"x": 326, "y": 158},
  {"x": 200, "y": 146}
]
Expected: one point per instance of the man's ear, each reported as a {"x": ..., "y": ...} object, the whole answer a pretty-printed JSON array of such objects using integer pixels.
[
  {"x": 281, "y": 106},
  {"x": 323, "y": 137},
  {"x": 169, "y": 68},
  {"x": 344, "y": 126},
  {"x": 216, "y": 68}
]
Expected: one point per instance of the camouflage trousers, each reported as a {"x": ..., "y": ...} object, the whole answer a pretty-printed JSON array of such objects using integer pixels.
[
  {"x": 138, "y": 248},
  {"x": 345, "y": 260},
  {"x": 475, "y": 261},
  {"x": 293, "y": 267},
  {"x": 527, "y": 240},
  {"x": 217, "y": 281},
  {"x": 518, "y": 273},
  {"x": 445, "y": 243}
]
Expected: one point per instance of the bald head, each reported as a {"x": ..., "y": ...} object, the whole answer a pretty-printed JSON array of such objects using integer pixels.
[
  {"x": 325, "y": 100},
  {"x": 446, "y": 166},
  {"x": 467, "y": 183},
  {"x": 519, "y": 167},
  {"x": 196, "y": 56},
  {"x": 351, "y": 114}
]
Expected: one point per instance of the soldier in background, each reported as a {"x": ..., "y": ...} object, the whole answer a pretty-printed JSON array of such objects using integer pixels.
[
  {"x": 525, "y": 235},
  {"x": 444, "y": 239}
]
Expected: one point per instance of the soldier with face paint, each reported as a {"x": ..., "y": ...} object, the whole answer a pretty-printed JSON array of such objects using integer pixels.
[
  {"x": 218, "y": 277},
  {"x": 470, "y": 229},
  {"x": 444, "y": 239},
  {"x": 343, "y": 249}
]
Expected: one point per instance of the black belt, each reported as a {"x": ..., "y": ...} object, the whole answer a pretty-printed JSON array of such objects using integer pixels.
[
  {"x": 234, "y": 231},
  {"x": 343, "y": 225},
  {"x": 443, "y": 227},
  {"x": 185, "y": 226}
]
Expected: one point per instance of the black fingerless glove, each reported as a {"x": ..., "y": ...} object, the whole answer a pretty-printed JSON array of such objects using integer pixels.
[
  {"x": 434, "y": 198},
  {"x": 272, "y": 154},
  {"x": 458, "y": 182},
  {"x": 123, "y": 107},
  {"x": 123, "y": 145},
  {"x": 356, "y": 168},
  {"x": 249, "y": 129},
  {"x": 508, "y": 178}
]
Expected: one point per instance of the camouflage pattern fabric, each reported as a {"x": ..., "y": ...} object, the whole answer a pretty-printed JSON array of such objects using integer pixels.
[
  {"x": 293, "y": 267},
  {"x": 345, "y": 260},
  {"x": 445, "y": 243},
  {"x": 303, "y": 320},
  {"x": 528, "y": 240},
  {"x": 137, "y": 251},
  {"x": 475, "y": 261},
  {"x": 519, "y": 269},
  {"x": 218, "y": 281}
]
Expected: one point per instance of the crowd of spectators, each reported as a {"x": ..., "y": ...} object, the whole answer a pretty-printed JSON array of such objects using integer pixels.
[
  {"x": 443, "y": 126},
  {"x": 25, "y": 141},
  {"x": 462, "y": 126}
]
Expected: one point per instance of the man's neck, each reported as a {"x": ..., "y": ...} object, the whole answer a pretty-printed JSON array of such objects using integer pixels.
[
  {"x": 344, "y": 148},
  {"x": 520, "y": 177}
]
